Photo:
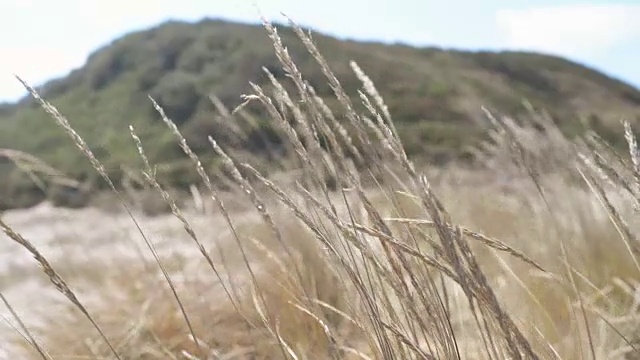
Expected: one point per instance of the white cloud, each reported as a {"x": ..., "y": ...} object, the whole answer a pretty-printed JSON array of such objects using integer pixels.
[
  {"x": 27, "y": 62},
  {"x": 570, "y": 29}
]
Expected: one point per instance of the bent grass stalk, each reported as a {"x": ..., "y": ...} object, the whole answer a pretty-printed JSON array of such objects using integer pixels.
[{"x": 416, "y": 284}]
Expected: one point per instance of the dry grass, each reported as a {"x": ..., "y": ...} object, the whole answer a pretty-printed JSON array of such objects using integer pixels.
[{"x": 391, "y": 265}]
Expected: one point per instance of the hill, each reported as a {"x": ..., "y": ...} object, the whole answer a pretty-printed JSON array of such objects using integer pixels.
[{"x": 433, "y": 94}]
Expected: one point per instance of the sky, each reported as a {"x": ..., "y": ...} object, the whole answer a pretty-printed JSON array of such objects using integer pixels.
[{"x": 43, "y": 39}]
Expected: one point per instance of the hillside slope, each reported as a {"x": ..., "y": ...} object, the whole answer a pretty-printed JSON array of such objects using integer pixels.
[{"x": 434, "y": 95}]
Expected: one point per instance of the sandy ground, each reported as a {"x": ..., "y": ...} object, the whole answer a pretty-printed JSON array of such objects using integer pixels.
[{"x": 77, "y": 242}]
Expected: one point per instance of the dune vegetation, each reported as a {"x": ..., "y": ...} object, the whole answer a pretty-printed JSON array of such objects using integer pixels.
[{"x": 351, "y": 250}]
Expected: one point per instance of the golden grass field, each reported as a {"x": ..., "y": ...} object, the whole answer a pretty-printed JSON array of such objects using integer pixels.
[{"x": 533, "y": 255}]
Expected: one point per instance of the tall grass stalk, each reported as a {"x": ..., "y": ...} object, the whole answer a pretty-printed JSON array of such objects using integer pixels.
[{"x": 364, "y": 255}]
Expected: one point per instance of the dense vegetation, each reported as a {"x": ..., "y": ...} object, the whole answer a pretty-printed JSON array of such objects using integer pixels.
[
  {"x": 418, "y": 264},
  {"x": 435, "y": 96}
]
